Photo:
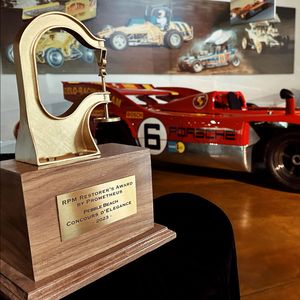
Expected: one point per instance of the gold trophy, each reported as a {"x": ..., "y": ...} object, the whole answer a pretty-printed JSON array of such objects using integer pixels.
[{"x": 71, "y": 212}]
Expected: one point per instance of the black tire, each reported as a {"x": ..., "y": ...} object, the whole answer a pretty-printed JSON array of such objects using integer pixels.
[
  {"x": 88, "y": 55},
  {"x": 10, "y": 53},
  {"x": 173, "y": 39},
  {"x": 114, "y": 132},
  {"x": 245, "y": 43},
  {"x": 236, "y": 61},
  {"x": 181, "y": 65},
  {"x": 118, "y": 41},
  {"x": 197, "y": 66},
  {"x": 286, "y": 41},
  {"x": 259, "y": 46},
  {"x": 54, "y": 58},
  {"x": 283, "y": 159},
  {"x": 251, "y": 13}
]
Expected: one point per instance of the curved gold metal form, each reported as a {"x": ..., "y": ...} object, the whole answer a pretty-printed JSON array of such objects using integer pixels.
[{"x": 43, "y": 138}]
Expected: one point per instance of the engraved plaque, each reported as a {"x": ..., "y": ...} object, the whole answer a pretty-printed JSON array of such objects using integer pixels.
[{"x": 86, "y": 209}]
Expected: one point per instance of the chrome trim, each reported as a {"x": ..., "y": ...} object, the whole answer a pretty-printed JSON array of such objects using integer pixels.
[
  {"x": 237, "y": 158},
  {"x": 228, "y": 157}
]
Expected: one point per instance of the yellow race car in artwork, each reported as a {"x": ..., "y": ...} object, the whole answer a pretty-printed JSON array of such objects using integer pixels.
[
  {"x": 56, "y": 47},
  {"x": 157, "y": 28}
]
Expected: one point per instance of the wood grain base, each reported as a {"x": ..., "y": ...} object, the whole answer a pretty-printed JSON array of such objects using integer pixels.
[
  {"x": 31, "y": 240},
  {"x": 15, "y": 285},
  {"x": 36, "y": 261}
]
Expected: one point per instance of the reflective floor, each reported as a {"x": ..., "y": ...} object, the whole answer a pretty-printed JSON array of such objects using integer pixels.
[{"x": 266, "y": 224}]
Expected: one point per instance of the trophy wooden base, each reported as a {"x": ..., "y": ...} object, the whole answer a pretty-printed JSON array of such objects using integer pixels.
[
  {"x": 17, "y": 286},
  {"x": 63, "y": 227}
]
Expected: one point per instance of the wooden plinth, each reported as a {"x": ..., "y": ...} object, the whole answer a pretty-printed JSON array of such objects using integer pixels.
[
  {"x": 33, "y": 253},
  {"x": 17, "y": 286}
]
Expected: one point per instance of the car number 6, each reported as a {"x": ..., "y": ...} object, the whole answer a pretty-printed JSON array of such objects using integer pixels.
[{"x": 152, "y": 134}]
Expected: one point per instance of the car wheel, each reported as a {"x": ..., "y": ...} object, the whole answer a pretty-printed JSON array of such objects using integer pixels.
[
  {"x": 114, "y": 132},
  {"x": 283, "y": 159},
  {"x": 118, "y": 40},
  {"x": 245, "y": 43},
  {"x": 88, "y": 55},
  {"x": 236, "y": 61},
  {"x": 259, "y": 46},
  {"x": 173, "y": 39},
  {"x": 286, "y": 41},
  {"x": 181, "y": 65},
  {"x": 251, "y": 14},
  {"x": 197, "y": 67},
  {"x": 10, "y": 53},
  {"x": 54, "y": 58}
]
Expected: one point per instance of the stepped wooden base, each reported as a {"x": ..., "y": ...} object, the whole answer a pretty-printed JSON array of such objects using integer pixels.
[
  {"x": 34, "y": 219},
  {"x": 17, "y": 286},
  {"x": 66, "y": 226}
]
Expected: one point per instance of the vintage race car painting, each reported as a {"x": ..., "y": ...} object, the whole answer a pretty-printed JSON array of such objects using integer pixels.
[
  {"x": 262, "y": 35},
  {"x": 242, "y": 11},
  {"x": 80, "y": 9},
  {"x": 217, "y": 129},
  {"x": 216, "y": 51},
  {"x": 249, "y": 10},
  {"x": 157, "y": 28}
]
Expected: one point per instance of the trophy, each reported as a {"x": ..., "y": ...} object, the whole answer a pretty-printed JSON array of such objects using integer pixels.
[{"x": 71, "y": 211}]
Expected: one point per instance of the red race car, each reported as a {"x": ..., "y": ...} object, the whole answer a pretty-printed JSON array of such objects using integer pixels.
[
  {"x": 249, "y": 10},
  {"x": 217, "y": 129}
]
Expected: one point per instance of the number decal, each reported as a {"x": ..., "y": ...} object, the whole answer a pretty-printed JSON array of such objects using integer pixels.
[
  {"x": 152, "y": 134},
  {"x": 152, "y": 140}
]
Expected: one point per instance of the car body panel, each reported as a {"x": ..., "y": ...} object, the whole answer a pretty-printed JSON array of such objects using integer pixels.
[{"x": 187, "y": 126}]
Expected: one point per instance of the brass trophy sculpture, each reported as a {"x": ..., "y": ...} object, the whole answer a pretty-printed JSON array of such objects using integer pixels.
[{"x": 69, "y": 216}]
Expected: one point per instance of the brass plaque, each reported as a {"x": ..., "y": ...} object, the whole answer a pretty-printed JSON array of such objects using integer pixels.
[{"x": 86, "y": 209}]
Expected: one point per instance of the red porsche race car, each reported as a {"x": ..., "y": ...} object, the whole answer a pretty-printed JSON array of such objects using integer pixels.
[{"x": 216, "y": 129}]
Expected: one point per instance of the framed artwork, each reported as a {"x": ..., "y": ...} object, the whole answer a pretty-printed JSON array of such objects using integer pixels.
[
  {"x": 246, "y": 11},
  {"x": 176, "y": 37},
  {"x": 80, "y": 9}
]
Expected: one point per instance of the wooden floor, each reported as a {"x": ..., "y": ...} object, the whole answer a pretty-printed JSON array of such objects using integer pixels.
[{"x": 266, "y": 224}]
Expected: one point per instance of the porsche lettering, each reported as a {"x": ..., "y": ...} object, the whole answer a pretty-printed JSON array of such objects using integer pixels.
[{"x": 203, "y": 133}]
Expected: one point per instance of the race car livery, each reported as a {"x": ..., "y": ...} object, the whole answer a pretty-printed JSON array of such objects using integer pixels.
[
  {"x": 216, "y": 51},
  {"x": 216, "y": 129},
  {"x": 157, "y": 28}
]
